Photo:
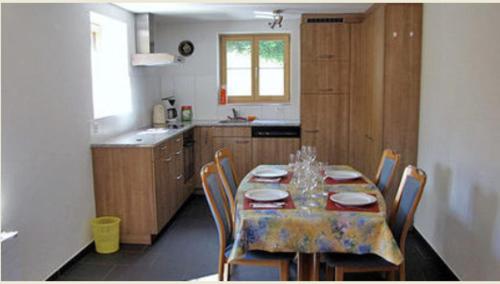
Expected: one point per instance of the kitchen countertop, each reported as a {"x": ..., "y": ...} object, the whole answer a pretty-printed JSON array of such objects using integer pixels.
[{"x": 150, "y": 137}]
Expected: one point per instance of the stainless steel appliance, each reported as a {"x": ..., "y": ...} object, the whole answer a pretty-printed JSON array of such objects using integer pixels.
[{"x": 262, "y": 132}]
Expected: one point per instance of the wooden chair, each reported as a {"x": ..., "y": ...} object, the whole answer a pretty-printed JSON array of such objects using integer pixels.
[
  {"x": 225, "y": 165},
  {"x": 386, "y": 169},
  {"x": 220, "y": 211},
  {"x": 406, "y": 202}
]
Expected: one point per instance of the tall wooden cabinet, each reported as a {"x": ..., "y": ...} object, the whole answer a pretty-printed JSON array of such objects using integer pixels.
[
  {"x": 325, "y": 79},
  {"x": 360, "y": 86},
  {"x": 385, "y": 93}
]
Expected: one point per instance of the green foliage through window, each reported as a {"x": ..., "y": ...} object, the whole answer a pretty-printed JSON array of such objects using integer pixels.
[{"x": 272, "y": 50}]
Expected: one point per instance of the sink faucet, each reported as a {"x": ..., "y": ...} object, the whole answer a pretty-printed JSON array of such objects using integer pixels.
[{"x": 235, "y": 114}]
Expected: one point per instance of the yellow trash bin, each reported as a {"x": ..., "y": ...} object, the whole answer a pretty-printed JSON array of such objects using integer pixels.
[{"x": 106, "y": 232}]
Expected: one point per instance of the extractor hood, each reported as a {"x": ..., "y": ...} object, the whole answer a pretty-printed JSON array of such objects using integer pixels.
[{"x": 145, "y": 55}]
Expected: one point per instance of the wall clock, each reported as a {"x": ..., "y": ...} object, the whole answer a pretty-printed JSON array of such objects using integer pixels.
[{"x": 186, "y": 48}]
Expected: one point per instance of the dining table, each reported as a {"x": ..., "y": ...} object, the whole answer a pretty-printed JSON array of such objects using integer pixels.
[{"x": 310, "y": 231}]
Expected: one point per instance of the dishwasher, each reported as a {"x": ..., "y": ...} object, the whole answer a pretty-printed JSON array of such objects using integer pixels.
[{"x": 274, "y": 144}]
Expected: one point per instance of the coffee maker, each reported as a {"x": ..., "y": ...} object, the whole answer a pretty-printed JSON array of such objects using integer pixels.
[{"x": 169, "y": 103}]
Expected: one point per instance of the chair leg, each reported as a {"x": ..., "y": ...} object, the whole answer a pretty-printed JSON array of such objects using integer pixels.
[
  {"x": 284, "y": 266},
  {"x": 229, "y": 270},
  {"x": 330, "y": 272},
  {"x": 221, "y": 269},
  {"x": 391, "y": 275},
  {"x": 402, "y": 272},
  {"x": 339, "y": 273}
]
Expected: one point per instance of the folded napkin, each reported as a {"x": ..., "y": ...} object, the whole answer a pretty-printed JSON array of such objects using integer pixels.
[
  {"x": 267, "y": 205},
  {"x": 287, "y": 203},
  {"x": 284, "y": 180},
  {"x": 330, "y": 180},
  {"x": 266, "y": 180}
]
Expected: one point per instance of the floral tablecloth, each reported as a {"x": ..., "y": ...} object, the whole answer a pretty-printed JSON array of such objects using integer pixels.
[{"x": 313, "y": 230}]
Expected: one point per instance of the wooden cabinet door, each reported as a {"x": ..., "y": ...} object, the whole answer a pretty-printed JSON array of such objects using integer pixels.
[
  {"x": 203, "y": 151},
  {"x": 325, "y": 77},
  {"x": 241, "y": 148},
  {"x": 402, "y": 81},
  {"x": 324, "y": 41},
  {"x": 367, "y": 93},
  {"x": 164, "y": 201},
  {"x": 273, "y": 151},
  {"x": 325, "y": 126}
]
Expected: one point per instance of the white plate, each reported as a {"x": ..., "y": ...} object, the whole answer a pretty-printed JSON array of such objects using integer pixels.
[
  {"x": 270, "y": 173},
  {"x": 343, "y": 175},
  {"x": 353, "y": 198},
  {"x": 266, "y": 194}
]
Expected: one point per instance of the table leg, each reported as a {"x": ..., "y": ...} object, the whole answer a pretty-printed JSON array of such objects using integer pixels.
[{"x": 308, "y": 267}]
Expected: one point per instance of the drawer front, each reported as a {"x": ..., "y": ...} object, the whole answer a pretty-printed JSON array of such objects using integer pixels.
[
  {"x": 169, "y": 147},
  {"x": 176, "y": 143},
  {"x": 161, "y": 151},
  {"x": 232, "y": 131}
]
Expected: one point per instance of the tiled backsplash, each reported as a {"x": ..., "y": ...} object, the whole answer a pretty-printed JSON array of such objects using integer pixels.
[{"x": 195, "y": 82}]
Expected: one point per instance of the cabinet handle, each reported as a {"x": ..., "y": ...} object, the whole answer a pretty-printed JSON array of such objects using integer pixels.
[
  {"x": 242, "y": 142},
  {"x": 311, "y": 131},
  {"x": 168, "y": 159},
  {"x": 179, "y": 177},
  {"x": 368, "y": 137},
  {"x": 327, "y": 56},
  {"x": 178, "y": 153},
  {"x": 326, "y": 90}
]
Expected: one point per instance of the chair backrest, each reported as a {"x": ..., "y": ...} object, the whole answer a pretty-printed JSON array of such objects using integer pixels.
[
  {"x": 406, "y": 203},
  {"x": 386, "y": 169},
  {"x": 217, "y": 202},
  {"x": 225, "y": 165}
]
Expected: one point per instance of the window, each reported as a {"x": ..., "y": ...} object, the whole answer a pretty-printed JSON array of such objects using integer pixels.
[
  {"x": 255, "y": 68},
  {"x": 111, "y": 92}
]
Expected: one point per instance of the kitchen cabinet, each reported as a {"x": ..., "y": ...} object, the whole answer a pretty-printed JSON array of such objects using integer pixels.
[
  {"x": 325, "y": 126},
  {"x": 325, "y": 87},
  {"x": 203, "y": 151},
  {"x": 241, "y": 148},
  {"x": 325, "y": 77},
  {"x": 273, "y": 150},
  {"x": 325, "y": 41},
  {"x": 143, "y": 186},
  {"x": 385, "y": 94},
  {"x": 367, "y": 93}
]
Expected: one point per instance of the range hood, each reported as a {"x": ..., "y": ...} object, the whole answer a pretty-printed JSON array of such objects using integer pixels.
[{"x": 145, "y": 55}]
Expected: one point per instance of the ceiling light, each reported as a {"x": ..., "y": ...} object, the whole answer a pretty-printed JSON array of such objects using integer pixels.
[{"x": 275, "y": 16}]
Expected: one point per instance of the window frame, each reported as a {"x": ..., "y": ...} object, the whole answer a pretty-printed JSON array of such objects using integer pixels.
[{"x": 255, "y": 38}]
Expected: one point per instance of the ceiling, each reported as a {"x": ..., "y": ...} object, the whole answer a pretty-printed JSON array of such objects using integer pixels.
[{"x": 187, "y": 12}]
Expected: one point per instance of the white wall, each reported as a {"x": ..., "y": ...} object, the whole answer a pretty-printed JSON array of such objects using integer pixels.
[
  {"x": 460, "y": 137},
  {"x": 47, "y": 190},
  {"x": 195, "y": 82}
]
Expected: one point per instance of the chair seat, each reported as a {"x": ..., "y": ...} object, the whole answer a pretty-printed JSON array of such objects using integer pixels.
[
  {"x": 261, "y": 255},
  {"x": 355, "y": 260}
]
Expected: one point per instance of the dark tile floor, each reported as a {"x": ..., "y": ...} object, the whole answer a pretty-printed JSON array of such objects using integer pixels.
[{"x": 187, "y": 250}]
